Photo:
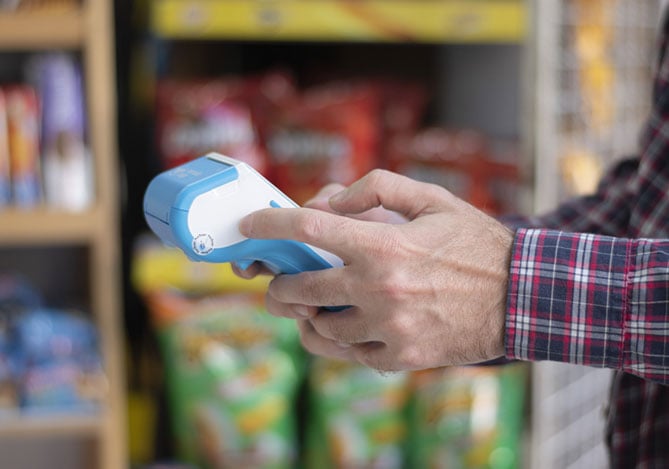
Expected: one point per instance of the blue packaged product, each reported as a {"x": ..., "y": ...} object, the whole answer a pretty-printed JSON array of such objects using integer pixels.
[{"x": 48, "y": 335}]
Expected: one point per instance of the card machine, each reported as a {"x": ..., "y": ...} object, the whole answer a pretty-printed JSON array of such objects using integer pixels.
[{"x": 198, "y": 205}]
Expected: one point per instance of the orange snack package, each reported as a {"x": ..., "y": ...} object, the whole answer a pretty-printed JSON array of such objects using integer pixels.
[
  {"x": 5, "y": 187},
  {"x": 23, "y": 137}
]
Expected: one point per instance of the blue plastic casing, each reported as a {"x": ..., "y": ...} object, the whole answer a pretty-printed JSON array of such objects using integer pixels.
[{"x": 169, "y": 203}]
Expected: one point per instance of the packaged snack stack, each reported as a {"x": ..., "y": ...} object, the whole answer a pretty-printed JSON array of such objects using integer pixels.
[
  {"x": 467, "y": 417},
  {"x": 356, "y": 417},
  {"x": 232, "y": 373}
]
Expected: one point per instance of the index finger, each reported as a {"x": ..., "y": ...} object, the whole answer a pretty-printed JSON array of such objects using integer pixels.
[{"x": 337, "y": 234}]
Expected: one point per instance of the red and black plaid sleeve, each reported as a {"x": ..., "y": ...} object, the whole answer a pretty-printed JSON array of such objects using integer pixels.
[{"x": 590, "y": 299}]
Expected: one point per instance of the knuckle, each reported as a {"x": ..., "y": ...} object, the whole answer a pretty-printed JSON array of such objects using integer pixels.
[
  {"x": 398, "y": 325},
  {"x": 394, "y": 286},
  {"x": 375, "y": 357},
  {"x": 376, "y": 176},
  {"x": 308, "y": 227},
  {"x": 410, "y": 358},
  {"x": 309, "y": 341}
]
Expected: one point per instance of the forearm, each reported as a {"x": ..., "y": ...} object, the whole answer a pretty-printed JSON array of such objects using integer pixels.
[{"x": 591, "y": 300}]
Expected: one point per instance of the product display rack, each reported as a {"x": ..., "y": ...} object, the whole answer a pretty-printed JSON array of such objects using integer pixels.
[{"x": 88, "y": 30}]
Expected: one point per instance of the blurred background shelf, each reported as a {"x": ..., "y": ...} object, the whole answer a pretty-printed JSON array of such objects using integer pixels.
[
  {"x": 42, "y": 29},
  {"x": 44, "y": 226},
  {"x": 57, "y": 424},
  {"x": 429, "y": 21}
]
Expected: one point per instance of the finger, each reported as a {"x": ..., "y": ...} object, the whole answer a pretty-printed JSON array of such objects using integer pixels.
[
  {"x": 319, "y": 345},
  {"x": 318, "y": 288},
  {"x": 314, "y": 227},
  {"x": 320, "y": 200},
  {"x": 251, "y": 271},
  {"x": 391, "y": 191},
  {"x": 287, "y": 310},
  {"x": 347, "y": 326},
  {"x": 376, "y": 355}
]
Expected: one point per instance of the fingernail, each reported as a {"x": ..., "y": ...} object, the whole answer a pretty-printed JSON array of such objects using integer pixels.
[
  {"x": 244, "y": 226},
  {"x": 315, "y": 202},
  {"x": 343, "y": 345},
  {"x": 337, "y": 197},
  {"x": 301, "y": 311}
]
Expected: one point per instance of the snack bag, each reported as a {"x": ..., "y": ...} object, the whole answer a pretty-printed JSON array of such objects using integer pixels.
[
  {"x": 232, "y": 375},
  {"x": 462, "y": 161},
  {"x": 267, "y": 95},
  {"x": 330, "y": 135},
  {"x": 24, "y": 155},
  {"x": 403, "y": 107},
  {"x": 467, "y": 417},
  {"x": 197, "y": 117},
  {"x": 356, "y": 417},
  {"x": 5, "y": 183}
]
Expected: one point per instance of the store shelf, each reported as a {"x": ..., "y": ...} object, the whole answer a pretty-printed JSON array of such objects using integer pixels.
[
  {"x": 88, "y": 28},
  {"x": 43, "y": 226},
  {"x": 41, "y": 30},
  {"x": 429, "y": 21},
  {"x": 52, "y": 425}
]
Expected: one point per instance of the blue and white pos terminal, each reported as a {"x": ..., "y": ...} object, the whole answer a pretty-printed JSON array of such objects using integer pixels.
[{"x": 198, "y": 205}]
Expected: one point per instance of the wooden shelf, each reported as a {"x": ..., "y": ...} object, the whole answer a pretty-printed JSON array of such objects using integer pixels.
[
  {"x": 43, "y": 226},
  {"x": 88, "y": 29},
  {"x": 42, "y": 30},
  {"x": 50, "y": 425},
  {"x": 429, "y": 21}
]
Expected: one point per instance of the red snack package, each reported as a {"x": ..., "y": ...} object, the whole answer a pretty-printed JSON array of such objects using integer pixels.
[
  {"x": 330, "y": 135},
  {"x": 268, "y": 94},
  {"x": 461, "y": 161},
  {"x": 403, "y": 107},
  {"x": 197, "y": 117}
]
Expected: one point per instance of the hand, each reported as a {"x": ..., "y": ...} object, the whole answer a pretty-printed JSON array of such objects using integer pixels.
[
  {"x": 321, "y": 202},
  {"x": 426, "y": 293}
]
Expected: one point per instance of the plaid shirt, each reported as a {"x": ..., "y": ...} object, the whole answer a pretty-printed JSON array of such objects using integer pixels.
[{"x": 597, "y": 291}]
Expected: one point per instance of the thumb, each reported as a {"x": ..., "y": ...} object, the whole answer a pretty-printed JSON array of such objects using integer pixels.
[{"x": 391, "y": 191}]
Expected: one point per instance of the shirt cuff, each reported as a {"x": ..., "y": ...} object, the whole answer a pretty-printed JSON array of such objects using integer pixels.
[{"x": 567, "y": 298}]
